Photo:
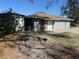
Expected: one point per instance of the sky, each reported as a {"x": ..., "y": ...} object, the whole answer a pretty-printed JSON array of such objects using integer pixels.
[{"x": 25, "y": 7}]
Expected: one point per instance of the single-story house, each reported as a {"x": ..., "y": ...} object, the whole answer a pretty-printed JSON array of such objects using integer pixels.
[
  {"x": 44, "y": 22},
  {"x": 16, "y": 16},
  {"x": 40, "y": 22}
]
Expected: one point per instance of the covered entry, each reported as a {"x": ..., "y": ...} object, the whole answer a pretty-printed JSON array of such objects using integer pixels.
[
  {"x": 39, "y": 25},
  {"x": 29, "y": 24}
]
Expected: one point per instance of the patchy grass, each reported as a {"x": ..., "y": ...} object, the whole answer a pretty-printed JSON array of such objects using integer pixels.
[
  {"x": 63, "y": 46},
  {"x": 63, "y": 38},
  {"x": 6, "y": 45},
  {"x": 10, "y": 44},
  {"x": 66, "y": 41}
]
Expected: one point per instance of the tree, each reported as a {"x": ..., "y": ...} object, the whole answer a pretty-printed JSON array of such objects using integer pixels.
[
  {"x": 71, "y": 9},
  {"x": 7, "y": 23},
  {"x": 50, "y": 3}
]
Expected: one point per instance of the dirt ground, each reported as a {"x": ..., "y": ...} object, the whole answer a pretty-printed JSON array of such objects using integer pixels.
[{"x": 31, "y": 45}]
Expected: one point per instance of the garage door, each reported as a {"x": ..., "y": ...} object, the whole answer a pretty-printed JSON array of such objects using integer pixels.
[{"x": 59, "y": 25}]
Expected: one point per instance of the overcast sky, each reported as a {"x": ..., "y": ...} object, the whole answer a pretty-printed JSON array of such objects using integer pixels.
[{"x": 26, "y": 7}]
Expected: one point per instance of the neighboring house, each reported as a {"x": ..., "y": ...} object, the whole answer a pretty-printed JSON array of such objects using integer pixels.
[
  {"x": 44, "y": 22},
  {"x": 18, "y": 17}
]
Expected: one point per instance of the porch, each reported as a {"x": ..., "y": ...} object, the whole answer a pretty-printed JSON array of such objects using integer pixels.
[{"x": 34, "y": 24}]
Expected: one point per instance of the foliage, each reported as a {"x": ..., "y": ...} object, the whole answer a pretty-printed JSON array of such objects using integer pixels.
[
  {"x": 7, "y": 23},
  {"x": 49, "y": 3},
  {"x": 71, "y": 9}
]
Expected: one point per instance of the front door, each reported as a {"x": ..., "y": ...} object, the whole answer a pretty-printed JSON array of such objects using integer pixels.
[{"x": 42, "y": 24}]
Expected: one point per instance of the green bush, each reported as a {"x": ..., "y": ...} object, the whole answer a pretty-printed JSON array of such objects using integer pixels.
[{"x": 7, "y": 23}]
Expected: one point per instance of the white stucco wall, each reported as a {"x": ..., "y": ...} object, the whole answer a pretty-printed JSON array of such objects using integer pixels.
[
  {"x": 67, "y": 25},
  {"x": 36, "y": 26},
  {"x": 61, "y": 25},
  {"x": 57, "y": 25},
  {"x": 21, "y": 23},
  {"x": 48, "y": 26}
]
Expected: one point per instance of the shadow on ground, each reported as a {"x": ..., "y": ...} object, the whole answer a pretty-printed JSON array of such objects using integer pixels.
[{"x": 37, "y": 48}]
